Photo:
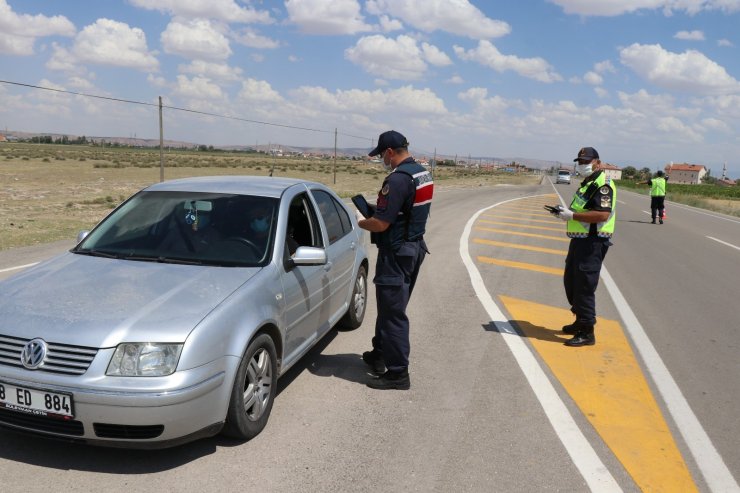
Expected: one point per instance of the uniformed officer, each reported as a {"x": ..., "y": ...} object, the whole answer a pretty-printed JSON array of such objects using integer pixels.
[
  {"x": 590, "y": 225},
  {"x": 657, "y": 195},
  {"x": 397, "y": 228}
]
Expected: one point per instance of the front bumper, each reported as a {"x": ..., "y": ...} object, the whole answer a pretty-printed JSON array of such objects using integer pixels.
[{"x": 140, "y": 412}]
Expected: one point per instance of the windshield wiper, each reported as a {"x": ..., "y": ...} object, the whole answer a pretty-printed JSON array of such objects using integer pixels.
[
  {"x": 176, "y": 260},
  {"x": 98, "y": 253}
]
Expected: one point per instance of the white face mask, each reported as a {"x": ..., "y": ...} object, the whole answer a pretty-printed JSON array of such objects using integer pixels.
[{"x": 584, "y": 169}]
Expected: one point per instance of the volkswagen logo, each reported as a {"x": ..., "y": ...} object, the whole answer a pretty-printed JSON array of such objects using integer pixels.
[{"x": 33, "y": 354}]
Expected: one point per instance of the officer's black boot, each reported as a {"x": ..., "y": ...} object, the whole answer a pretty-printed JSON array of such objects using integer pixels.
[
  {"x": 570, "y": 329},
  {"x": 391, "y": 380},
  {"x": 584, "y": 337},
  {"x": 374, "y": 360}
]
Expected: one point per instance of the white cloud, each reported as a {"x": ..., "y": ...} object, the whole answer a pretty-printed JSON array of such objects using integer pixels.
[
  {"x": 197, "y": 88},
  {"x": 293, "y": 58},
  {"x": 398, "y": 58},
  {"x": 593, "y": 78},
  {"x": 601, "y": 92},
  {"x": 214, "y": 70},
  {"x": 690, "y": 71},
  {"x": 251, "y": 38},
  {"x": 109, "y": 42},
  {"x": 618, "y": 7},
  {"x": 604, "y": 67},
  {"x": 224, "y": 10},
  {"x": 435, "y": 56},
  {"x": 257, "y": 57},
  {"x": 455, "y": 79},
  {"x": 259, "y": 91},
  {"x": 197, "y": 38},
  {"x": 19, "y": 32},
  {"x": 690, "y": 35},
  {"x": 716, "y": 125},
  {"x": 406, "y": 99},
  {"x": 156, "y": 81},
  {"x": 387, "y": 24},
  {"x": 487, "y": 54},
  {"x": 454, "y": 16},
  {"x": 327, "y": 16},
  {"x": 725, "y": 43}
]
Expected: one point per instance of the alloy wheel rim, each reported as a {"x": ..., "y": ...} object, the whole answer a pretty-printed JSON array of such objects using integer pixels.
[{"x": 258, "y": 386}]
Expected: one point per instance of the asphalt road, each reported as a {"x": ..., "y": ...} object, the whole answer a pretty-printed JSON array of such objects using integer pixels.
[{"x": 478, "y": 416}]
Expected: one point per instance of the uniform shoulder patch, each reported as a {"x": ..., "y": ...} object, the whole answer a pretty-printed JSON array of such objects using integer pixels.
[
  {"x": 385, "y": 190},
  {"x": 604, "y": 190}
]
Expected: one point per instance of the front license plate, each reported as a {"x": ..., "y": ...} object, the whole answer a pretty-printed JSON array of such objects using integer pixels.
[{"x": 36, "y": 402}]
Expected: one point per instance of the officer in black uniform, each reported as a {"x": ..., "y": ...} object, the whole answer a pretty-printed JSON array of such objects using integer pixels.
[{"x": 397, "y": 227}]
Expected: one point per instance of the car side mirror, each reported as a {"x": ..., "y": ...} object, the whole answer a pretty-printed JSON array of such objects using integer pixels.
[
  {"x": 82, "y": 235},
  {"x": 309, "y": 256}
]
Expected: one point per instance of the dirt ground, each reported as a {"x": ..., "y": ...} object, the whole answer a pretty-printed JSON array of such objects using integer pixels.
[{"x": 51, "y": 192}]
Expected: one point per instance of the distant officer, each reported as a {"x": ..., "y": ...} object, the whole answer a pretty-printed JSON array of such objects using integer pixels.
[
  {"x": 590, "y": 225},
  {"x": 657, "y": 195},
  {"x": 397, "y": 227}
]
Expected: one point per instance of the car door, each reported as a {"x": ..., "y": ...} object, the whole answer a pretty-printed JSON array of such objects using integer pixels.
[
  {"x": 305, "y": 287},
  {"x": 341, "y": 244}
]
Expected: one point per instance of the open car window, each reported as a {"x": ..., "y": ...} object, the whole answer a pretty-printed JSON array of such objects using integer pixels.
[{"x": 188, "y": 227}]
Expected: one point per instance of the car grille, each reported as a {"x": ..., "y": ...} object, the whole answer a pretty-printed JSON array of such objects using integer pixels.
[
  {"x": 40, "y": 423},
  {"x": 131, "y": 432},
  {"x": 60, "y": 358}
]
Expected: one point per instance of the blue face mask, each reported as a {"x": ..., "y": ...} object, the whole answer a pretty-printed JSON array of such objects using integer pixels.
[{"x": 259, "y": 225}]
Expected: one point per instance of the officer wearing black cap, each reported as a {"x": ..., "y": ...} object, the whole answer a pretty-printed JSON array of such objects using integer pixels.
[
  {"x": 590, "y": 226},
  {"x": 397, "y": 227}
]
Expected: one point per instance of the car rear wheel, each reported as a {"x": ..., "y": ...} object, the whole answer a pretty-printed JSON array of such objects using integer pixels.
[
  {"x": 254, "y": 390},
  {"x": 357, "y": 304}
]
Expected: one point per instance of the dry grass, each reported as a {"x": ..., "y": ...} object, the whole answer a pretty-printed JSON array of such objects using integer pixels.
[{"x": 50, "y": 192}]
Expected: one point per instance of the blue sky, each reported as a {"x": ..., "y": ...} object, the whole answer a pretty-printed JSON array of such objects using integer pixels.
[{"x": 646, "y": 82}]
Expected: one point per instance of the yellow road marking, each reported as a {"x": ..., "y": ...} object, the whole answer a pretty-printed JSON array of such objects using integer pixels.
[
  {"x": 531, "y": 235},
  {"x": 520, "y": 247},
  {"x": 520, "y": 225},
  {"x": 521, "y": 265},
  {"x": 606, "y": 383},
  {"x": 519, "y": 218}
]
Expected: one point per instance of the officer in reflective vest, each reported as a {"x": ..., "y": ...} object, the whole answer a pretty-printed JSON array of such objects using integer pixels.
[
  {"x": 590, "y": 226},
  {"x": 657, "y": 195},
  {"x": 397, "y": 228}
]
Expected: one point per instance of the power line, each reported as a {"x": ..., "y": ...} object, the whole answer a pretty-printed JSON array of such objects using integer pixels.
[{"x": 175, "y": 108}]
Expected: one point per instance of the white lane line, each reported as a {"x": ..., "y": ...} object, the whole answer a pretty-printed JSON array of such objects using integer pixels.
[
  {"x": 712, "y": 466},
  {"x": 584, "y": 457},
  {"x": 18, "y": 267},
  {"x": 710, "y": 463},
  {"x": 724, "y": 242}
]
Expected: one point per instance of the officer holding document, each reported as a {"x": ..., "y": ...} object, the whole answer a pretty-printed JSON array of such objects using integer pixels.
[
  {"x": 397, "y": 225},
  {"x": 590, "y": 225}
]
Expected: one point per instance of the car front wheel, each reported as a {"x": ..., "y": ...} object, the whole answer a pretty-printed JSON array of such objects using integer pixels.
[
  {"x": 254, "y": 390},
  {"x": 357, "y": 303}
]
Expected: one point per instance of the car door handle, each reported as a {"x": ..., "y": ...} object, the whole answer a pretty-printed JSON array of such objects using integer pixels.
[{"x": 352, "y": 245}]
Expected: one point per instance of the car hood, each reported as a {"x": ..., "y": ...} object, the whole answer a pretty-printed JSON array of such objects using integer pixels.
[{"x": 99, "y": 302}]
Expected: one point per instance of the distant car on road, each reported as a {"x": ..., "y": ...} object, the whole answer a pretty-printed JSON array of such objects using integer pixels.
[
  {"x": 563, "y": 176},
  {"x": 174, "y": 317}
]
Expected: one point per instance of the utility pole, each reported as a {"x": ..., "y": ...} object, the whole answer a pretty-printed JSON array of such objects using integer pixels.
[
  {"x": 161, "y": 142},
  {"x": 335, "y": 155}
]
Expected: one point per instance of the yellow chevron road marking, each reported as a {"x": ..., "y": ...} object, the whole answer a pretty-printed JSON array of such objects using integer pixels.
[
  {"x": 521, "y": 265},
  {"x": 531, "y": 235},
  {"x": 520, "y": 217},
  {"x": 606, "y": 383},
  {"x": 520, "y": 247},
  {"x": 520, "y": 225}
]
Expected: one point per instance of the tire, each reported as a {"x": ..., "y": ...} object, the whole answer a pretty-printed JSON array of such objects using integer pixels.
[
  {"x": 357, "y": 303},
  {"x": 254, "y": 390}
]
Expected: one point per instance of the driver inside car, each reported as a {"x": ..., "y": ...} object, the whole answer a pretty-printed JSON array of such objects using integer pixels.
[{"x": 193, "y": 230}]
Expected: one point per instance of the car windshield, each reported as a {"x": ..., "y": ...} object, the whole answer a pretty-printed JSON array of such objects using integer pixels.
[
  {"x": 564, "y": 173},
  {"x": 187, "y": 228}
]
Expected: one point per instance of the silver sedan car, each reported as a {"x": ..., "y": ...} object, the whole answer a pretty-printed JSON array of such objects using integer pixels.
[{"x": 174, "y": 317}]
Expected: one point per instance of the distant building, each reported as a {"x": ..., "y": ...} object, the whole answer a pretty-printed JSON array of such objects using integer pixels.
[
  {"x": 690, "y": 174},
  {"x": 2, "y": 138},
  {"x": 612, "y": 172},
  {"x": 726, "y": 182}
]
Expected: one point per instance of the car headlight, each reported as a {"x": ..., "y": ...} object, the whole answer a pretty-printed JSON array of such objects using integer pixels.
[{"x": 144, "y": 359}]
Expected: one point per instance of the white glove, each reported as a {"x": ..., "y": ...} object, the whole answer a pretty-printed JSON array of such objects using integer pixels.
[{"x": 565, "y": 214}]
